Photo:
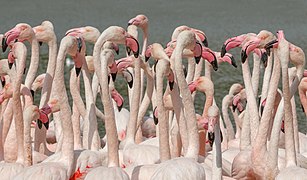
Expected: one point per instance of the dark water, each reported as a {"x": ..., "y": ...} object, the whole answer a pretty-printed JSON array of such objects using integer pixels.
[{"x": 218, "y": 19}]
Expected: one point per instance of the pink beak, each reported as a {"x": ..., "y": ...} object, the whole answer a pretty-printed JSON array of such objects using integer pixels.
[
  {"x": 132, "y": 45},
  {"x": 209, "y": 55},
  {"x": 118, "y": 99},
  {"x": 232, "y": 43},
  {"x": 192, "y": 86},
  {"x": 248, "y": 47},
  {"x": 10, "y": 37}
]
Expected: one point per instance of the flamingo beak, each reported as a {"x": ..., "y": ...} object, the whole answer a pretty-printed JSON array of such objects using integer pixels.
[
  {"x": 78, "y": 70},
  {"x": 3, "y": 82},
  {"x": 205, "y": 42},
  {"x": 132, "y": 45},
  {"x": 155, "y": 116},
  {"x": 233, "y": 61},
  {"x": 10, "y": 65},
  {"x": 9, "y": 37},
  {"x": 192, "y": 86},
  {"x": 113, "y": 76},
  {"x": 223, "y": 50},
  {"x": 130, "y": 84},
  {"x": 171, "y": 80},
  {"x": 40, "y": 43},
  {"x": 214, "y": 64},
  {"x": 32, "y": 93},
  {"x": 39, "y": 124},
  {"x": 270, "y": 45},
  {"x": 264, "y": 58},
  {"x": 197, "y": 52},
  {"x": 4, "y": 44}
]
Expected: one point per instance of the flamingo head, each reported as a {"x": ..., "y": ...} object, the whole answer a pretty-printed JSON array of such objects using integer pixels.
[
  {"x": 140, "y": 21},
  {"x": 259, "y": 41},
  {"x": 44, "y": 32},
  {"x": 209, "y": 55},
  {"x": 20, "y": 32},
  {"x": 229, "y": 59},
  {"x": 202, "y": 36},
  {"x": 148, "y": 53},
  {"x": 232, "y": 43}
]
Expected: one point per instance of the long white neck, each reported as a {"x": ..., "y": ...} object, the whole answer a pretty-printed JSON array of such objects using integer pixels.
[
  {"x": 34, "y": 62},
  {"x": 16, "y": 76},
  {"x": 193, "y": 146},
  {"x": 163, "y": 121},
  {"x": 65, "y": 113},
  {"x": 46, "y": 90},
  {"x": 252, "y": 104}
]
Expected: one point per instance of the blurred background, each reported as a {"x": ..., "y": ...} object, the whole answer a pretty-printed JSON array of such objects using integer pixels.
[{"x": 219, "y": 19}]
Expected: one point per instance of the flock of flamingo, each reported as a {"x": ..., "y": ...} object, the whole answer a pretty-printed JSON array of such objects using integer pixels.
[{"x": 176, "y": 143}]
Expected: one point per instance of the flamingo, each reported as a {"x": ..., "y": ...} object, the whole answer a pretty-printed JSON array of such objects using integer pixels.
[
  {"x": 44, "y": 33},
  {"x": 120, "y": 36},
  {"x": 186, "y": 167}
]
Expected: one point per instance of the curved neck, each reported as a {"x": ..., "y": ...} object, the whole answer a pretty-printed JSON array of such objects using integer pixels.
[
  {"x": 34, "y": 62},
  {"x": 145, "y": 40},
  {"x": 191, "y": 69},
  {"x": 208, "y": 103},
  {"x": 256, "y": 74},
  {"x": 163, "y": 121},
  {"x": 65, "y": 113},
  {"x": 29, "y": 115},
  {"x": 266, "y": 78},
  {"x": 112, "y": 139},
  {"x": 252, "y": 104},
  {"x": 21, "y": 53},
  {"x": 188, "y": 105},
  {"x": 268, "y": 109},
  {"x": 46, "y": 90}
]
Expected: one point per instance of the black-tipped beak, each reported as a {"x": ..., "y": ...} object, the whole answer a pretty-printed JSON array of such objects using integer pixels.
[
  {"x": 39, "y": 124},
  {"x": 197, "y": 59},
  {"x": 146, "y": 58},
  {"x": 10, "y": 65},
  {"x": 270, "y": 44},
  {"x": 78, "y": 70},
  {"x": 211, "y": 138},
  {"x": 128, "y": 50},
  {"x": 130, "y": 84},
  {"x": 120, "y": 107},
  {"x": 117, "y": 51},
  {"x": 205, "y": 42},
  {"x": 215, "y": 65},
  {"x": 234, "y": 107},
  {"x": 32, "y": 93},
  {"x": 3, "y": 84},
  {"x": 46, "y": 124},
  {"x": 24, "y": 70},
  {"x": 79, "y": 40},
  {"x": 223, "y": 50},
  {"x": 156, "y": 121},
  {"x": 301, "y": 104},
  {"x": 113, "y": 76},
  {"x": 233, "y": 62},
  {"x": 4, "y": 44},
  {"x": 264, "y": 58},
  {"x": 171, "y": 85},
  {"x": 243, "y": 56},
  {"x": 40, "y": 43},
  {"x": 129, "y": 24}
]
